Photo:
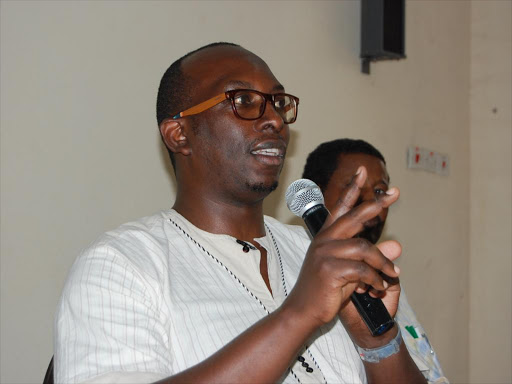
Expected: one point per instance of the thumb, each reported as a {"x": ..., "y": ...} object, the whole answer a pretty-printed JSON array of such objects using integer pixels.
[{"x": 391, "y": 249}]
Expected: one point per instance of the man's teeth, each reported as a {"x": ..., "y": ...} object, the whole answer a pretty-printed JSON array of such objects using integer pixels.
[{"x": 268, "y": 152}]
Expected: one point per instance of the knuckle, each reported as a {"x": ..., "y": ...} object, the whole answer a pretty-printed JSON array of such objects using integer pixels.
[
  {"x": 355, "y": 272},
  {"x": 362, "y": 244},
  {"x": 322, "y": 248},
  {"x": 352, "y": 213},
  {"x": 376, "y": 280},
  {"x": 326, "y": 267},
  {"x": 361, "y": 269},
  {"x": 345, "y": 204}
]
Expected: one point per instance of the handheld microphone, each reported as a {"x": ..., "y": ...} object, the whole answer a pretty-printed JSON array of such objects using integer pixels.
[{"x": 305, "y": 199}]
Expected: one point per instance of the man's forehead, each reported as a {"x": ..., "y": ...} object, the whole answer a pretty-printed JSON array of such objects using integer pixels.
[
  {"x": 356, "y": 157},
  {"x": 347, "y": 161},
  {"x": 225, "y": 64}
]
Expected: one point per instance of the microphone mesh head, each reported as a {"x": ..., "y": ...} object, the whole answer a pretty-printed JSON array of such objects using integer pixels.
[{"x": 302, "y": 195}]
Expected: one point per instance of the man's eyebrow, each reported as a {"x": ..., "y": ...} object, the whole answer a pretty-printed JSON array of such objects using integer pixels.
[
  {"x": 238, "y": 84},
  {"x": 278, "y": 87},
  {"x": 243, "y": 84}
]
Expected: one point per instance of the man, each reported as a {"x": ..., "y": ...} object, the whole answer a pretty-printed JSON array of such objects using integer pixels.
[
  {"x": 213, "y": 291},
  {"x": 332, "y": 166}
]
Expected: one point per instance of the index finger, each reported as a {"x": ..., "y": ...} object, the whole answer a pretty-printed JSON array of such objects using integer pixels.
[
  {"x": 352, "y": 222},
  {"x": 348, "y": 197}
]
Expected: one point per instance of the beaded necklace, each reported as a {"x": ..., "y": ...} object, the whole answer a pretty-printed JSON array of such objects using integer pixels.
[{"x": 300, "y": 358}]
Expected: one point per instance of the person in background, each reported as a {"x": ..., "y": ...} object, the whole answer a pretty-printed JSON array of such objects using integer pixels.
[{"x": 332, "y": 166}]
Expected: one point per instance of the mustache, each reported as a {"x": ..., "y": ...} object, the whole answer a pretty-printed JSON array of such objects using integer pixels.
[{"x": 268, "y": 142}]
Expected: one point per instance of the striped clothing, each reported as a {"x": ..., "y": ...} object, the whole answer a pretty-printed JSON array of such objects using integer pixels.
[
  {"x": 416, "y": 341},
  {"x": 158, "y": 295}
]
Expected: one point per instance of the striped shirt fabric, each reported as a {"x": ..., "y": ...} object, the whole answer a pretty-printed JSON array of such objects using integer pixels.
[{"x": 159, "y": 295}]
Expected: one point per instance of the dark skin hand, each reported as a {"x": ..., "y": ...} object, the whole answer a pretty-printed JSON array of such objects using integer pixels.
[
  {"x": 398, "y": 368},
  {"x": 334, "y": 267}
]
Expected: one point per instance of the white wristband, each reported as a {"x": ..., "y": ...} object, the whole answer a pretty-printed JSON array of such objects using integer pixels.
[{"x": 377, "y": 354}]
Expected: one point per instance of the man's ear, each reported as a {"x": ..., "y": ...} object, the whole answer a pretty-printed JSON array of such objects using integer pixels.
[{"x": 174, "y": 136}]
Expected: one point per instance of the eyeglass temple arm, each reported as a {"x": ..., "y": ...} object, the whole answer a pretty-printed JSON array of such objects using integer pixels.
[{"x": 202, "y": 106}]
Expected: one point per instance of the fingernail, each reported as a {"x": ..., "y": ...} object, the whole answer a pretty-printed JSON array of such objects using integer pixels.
[
  {"x": 359, "y": 170},
  {"x": 385, "y": 283},
  {"x": 397, "y": 270},
  {"x": 391, "y": 191}
]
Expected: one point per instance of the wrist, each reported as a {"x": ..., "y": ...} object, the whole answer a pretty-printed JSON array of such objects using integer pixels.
[
  {"x": 295, "y": 321},
  {"x": 375, "y": 355},
  {"x": 362, "y": 337}
]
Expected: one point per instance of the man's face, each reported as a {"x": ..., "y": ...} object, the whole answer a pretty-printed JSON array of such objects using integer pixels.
[
  {"x": 376, "y": 184},
  {"x": 238, "y": 158}
]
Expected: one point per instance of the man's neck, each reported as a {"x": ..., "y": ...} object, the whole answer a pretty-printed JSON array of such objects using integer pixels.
[{"x": 242, "y": 221}]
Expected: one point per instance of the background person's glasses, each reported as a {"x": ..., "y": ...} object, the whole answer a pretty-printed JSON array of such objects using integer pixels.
[{"x": 248, "y": 104}]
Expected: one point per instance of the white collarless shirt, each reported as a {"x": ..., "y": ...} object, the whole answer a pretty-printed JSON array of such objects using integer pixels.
[{"x": 158, "y": 295}]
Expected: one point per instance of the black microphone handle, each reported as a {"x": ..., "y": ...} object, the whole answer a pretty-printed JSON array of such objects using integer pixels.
[{"x": 372, "y": 310}]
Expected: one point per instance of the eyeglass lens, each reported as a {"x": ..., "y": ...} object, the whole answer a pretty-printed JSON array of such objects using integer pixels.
[{"x": 250, "y": 105}]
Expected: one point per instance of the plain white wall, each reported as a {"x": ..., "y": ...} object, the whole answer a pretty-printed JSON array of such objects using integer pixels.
[
  {"x": 491, "y": 191},
  {"x": 80, "y": 152}
]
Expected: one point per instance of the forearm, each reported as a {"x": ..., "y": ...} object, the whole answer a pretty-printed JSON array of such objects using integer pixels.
[{"x": 263, "y": 353}]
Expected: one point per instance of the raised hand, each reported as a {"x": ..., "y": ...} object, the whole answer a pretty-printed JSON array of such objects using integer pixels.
[{"x": 337, "y": 264}]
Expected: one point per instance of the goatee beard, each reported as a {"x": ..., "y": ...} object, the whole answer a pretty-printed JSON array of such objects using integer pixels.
[{"x": 262, "y": 188}]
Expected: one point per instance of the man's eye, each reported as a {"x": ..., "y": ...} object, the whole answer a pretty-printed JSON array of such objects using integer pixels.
[
  {"x": 280, "y": 103},
  {"x": 243, "y": 99},
  {"x": 380, "y": 191}
]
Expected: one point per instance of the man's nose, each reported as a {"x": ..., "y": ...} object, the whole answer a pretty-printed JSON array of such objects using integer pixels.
[{"x": 271, "y": 119}]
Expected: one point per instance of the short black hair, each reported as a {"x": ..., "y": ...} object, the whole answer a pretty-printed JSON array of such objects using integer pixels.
[
  {"x": 174, "y": 92},
  {"x": 323, "y": 161}
]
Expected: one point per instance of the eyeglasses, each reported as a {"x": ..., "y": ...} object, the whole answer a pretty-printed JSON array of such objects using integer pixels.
[{"x": 248, "y": 104}]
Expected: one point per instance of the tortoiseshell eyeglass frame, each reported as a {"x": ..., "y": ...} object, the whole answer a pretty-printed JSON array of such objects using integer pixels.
[{"x": 201, "y": 107}]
